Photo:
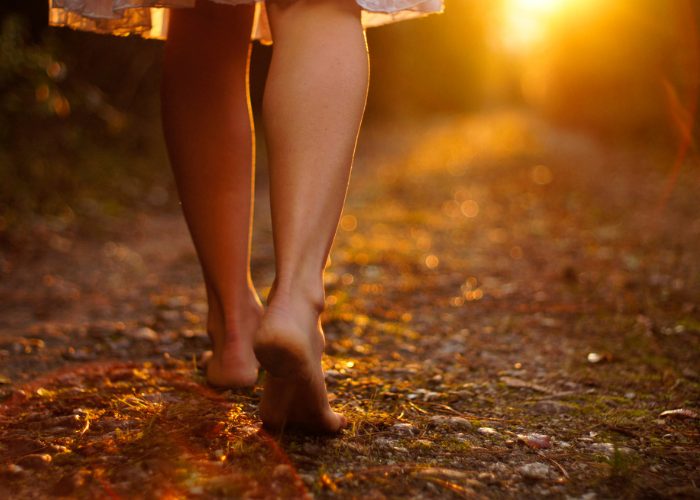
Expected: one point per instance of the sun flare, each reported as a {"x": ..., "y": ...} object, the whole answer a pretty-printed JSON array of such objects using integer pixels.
[
  {"x": 526, "y": 21},
  {"x": 537, "y": 5}
]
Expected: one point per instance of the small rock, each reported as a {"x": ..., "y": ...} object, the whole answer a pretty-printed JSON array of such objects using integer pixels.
[
  {"x": 143, "y": 333},
  {"x": 604, "y": 448},
  {"x": 177, "y": 301},
  {"x": 311, "y": 448},
  {"x": 457, "y": 423},
  {"x": 309, "y": 479},
  {"x": 80, "y": 354},
  {"x": 68, "y": 421},
  {"x": 67, "y": 485},
  {"x": 169, "y": 316},
  {"x": 283, "y": 471},
  {"x": 516, "y": 383},
  {"x": 11, "y": 470},
  {"x": 535, "y": 470},
  {"x": 404, "y": 428},
  {"x": 591, "y": 495},
  {"x": 549, "y": 407},
  {"x": 595, "y": 357},
  {"x": 487, "y": 477},
  {"x": 499, "y": 467},
  {"x": 489, "y": 431},
  {"x": 424, "y": 395},
  {"x": 35, "y": 461},
  {"x": 382, "y": 441}
]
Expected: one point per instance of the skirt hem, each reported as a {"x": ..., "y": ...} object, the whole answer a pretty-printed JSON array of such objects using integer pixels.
[{"x": 149, "y": 18}]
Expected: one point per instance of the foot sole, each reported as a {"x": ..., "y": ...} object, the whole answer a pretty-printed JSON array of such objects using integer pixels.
[{"x": 281, "y": 356}]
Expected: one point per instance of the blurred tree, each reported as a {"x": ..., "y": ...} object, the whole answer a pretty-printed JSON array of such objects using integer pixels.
[
  {"x": 35, "y": 12},
  {"x": 431, "y": 65},
  {"x": 623, "y": 70}
]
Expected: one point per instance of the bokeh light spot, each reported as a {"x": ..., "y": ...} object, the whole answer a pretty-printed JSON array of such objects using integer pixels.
[
  {"x": 541, "y": 175},
  {"x": 469, "y": 208}
]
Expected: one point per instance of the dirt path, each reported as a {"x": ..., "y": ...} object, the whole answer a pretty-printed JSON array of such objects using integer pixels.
[{"x": 510, "y": 312}]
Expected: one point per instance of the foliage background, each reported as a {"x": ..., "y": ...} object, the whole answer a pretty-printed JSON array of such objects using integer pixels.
[{"x": 80, "y": 135}]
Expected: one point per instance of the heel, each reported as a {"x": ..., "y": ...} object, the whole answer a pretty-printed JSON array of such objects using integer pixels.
[{"x": 280, "y": 355}]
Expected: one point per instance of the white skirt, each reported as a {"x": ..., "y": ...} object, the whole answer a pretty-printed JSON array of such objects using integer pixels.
[{"x": 149, "y": 18}]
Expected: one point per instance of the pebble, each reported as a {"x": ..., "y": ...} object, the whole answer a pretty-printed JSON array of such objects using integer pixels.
[
  {"x": 535, "y": 470},
  {"x": 548, "y": 407},
  {"x": 424, "y": 395},
  {"x": 309, "y": 479},
  {"x": 604, "y": 448},
  {"x": 143, "y": 333},
  {"x": 12, "y": 470},
  {"x": 311, "y": 448},
  {"x": 404, "y": 428},
  {"x": 169, "y": 316},
  {"x": 459, "y": 423},
  {"x": 66, "y": 485},
  {"x": 81, "y": 354},
  {"x": 591, "y": 495},
  {"x": 499, "y": 467},
  {"x": 382, "y": 441},
  {"x": 489, "y": 431},
  {"x": 35, "y": 461},
  {"x": 283, "y": 471},
  {"x": 487, "y": 477},
  {"x": 177, "y": 301}
]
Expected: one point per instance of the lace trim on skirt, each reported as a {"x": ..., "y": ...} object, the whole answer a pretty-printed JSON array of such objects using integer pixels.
[{"x": 149, "y": 18}]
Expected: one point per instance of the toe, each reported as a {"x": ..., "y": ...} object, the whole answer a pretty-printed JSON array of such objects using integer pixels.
[
  {"x": 336, "y": 422},
  {"x": 343, "y": 421},
  {"x": 204, "y": 359}
]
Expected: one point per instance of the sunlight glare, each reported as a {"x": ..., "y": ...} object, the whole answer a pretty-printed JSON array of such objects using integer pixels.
[{"x": 525, "y": 21}]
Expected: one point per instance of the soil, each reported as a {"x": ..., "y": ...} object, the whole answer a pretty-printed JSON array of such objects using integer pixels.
[{"x": 512, "y": 311}]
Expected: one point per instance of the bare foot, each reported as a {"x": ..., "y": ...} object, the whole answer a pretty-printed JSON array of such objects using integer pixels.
[
  {"x": 289, "y": 344},
  {"x": 232, "y": 362}
]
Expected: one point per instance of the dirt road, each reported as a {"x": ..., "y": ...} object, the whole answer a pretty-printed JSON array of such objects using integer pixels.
[{"x": 512, "y": 310}]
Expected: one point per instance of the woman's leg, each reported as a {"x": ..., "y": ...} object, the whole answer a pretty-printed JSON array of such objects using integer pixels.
[
  {"x": 208, "y": 131},
  {"x": 313, "y": 106}
]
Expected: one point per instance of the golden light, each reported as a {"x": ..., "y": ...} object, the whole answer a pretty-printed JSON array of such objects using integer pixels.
[{"x": 526, "y": 21}]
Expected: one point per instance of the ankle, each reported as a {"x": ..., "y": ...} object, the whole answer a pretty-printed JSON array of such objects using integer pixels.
[
  {"x": 235, "y": 315},
  {"x": 290, "y": 291}
]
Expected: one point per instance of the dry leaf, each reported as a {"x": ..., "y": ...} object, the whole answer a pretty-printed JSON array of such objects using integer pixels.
[{"x": 536, "y": 441}]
